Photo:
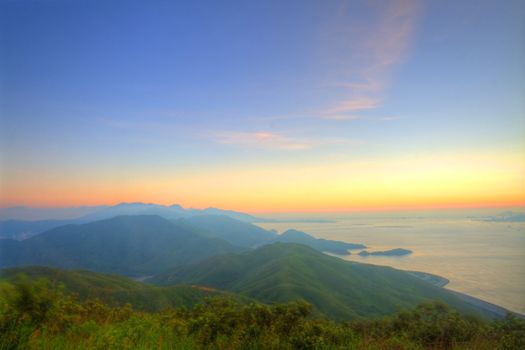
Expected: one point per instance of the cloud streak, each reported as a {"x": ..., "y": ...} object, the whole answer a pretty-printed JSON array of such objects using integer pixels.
[
  {"x": 352, "y": 105},
  {"x": 381, "y": 45},
  {"x": 262, "y": 139},
  {"x": 278, "y": 141}
]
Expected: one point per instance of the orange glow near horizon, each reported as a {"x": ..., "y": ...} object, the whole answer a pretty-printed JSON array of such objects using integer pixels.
[{"x": 437, "y": 181}]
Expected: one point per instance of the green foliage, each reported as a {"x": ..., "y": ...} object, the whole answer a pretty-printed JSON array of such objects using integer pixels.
[
  {"x": 238, "y": 233},
  {"x": 115, "y": 290},
  {"x": 243, "y": 234},
  {"x": 339, "y": 289},
  {"x": 128, "y": 245},
  {"x": 512, "y": 330},
  {"x": 322, "y": 245},
  {"x": 34, "y": 315}
]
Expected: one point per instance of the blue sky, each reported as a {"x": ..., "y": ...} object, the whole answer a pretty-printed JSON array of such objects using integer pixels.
[{"x": 117, "y": 88}]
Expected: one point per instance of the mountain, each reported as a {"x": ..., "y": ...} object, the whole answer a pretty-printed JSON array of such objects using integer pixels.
[
  {"x": 128, "y": 245},
  {"x": 115, "y": 290},
  {"x": 282, "y": 272},
  {"x": 15, "y": 228},
  {"x": 247, "y": 235},
  {"x": 23, "y": 229},
  {"x": 323, "y": 245},
  {"x": 31, "y": 214},
  {"x": 170, "y": 212},
  {"x": 234, "y": 231}
]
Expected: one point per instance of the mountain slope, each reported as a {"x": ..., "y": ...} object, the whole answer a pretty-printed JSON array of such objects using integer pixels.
[
  {"x": 22, "y": 229},
  {"x": 128, "y": 245},
  {"x": 167, "y": 211},
  {"x": 282, "y": 272},
  {"x": 115, "y": 290},
  {"x": 247, "y": 235},
  {"x": 323, "y": 245},
  {"x": 236, "y": 232}
]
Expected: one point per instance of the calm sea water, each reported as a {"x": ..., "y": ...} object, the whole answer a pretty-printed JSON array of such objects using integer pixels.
[{"x": 482, "y": 259}]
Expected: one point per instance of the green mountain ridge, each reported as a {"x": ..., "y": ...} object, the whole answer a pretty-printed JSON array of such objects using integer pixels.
[
  {"x": 247, "y": 235},
  {"x": 116, "y": 290},
  {"x": 127, "y": 245},
  {"x": 340, "y": 289},
  {"x": 184, "y": 252},
  {"x": 323, "y": 245},
  {"x": 239, "y": 233}
]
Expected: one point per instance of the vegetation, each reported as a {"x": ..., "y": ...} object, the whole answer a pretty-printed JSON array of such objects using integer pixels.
[
  {"x": 127, "y": 245},
  {"x": 236, "y": 232},
  {"x": 283, "y": 272},
  {"x": 323, "y": 245},
  {"x": 247, "y": 235},
  {"x": 23, "y": 229},
  {"x": 116, "y": 290},
  {"x": 35, "y": 316}
]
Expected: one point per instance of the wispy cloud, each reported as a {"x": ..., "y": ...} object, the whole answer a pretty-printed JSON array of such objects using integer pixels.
[
  {"x": 360, "y": 117},
  {"x": 382, "y": 44},
  {"x": 342, "y": 116},
  {"x": 352, "y": 105},
  {"x": 279, "y": 141},
  {"x": 365, "y": 53},
  {"x": 262, "y": 139}
]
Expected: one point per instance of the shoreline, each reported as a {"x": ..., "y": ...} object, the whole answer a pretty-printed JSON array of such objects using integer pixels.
[{"x": 488, "y": 307}]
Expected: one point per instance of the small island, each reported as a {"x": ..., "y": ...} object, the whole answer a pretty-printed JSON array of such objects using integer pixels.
[{"x": 391, "y": 252}]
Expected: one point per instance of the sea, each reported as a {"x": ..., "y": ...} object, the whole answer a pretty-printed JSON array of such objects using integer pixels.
[{"x": 481, "y": 257}]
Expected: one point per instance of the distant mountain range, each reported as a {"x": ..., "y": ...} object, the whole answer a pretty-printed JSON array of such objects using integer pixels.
[
  {"x": 139, "y": 245},
  {"x": 87, "y": 213},
  {"x": 219, "y": 252},
  {"x": 24, "y": 222},
  {"x": 128, "y": 245},
  {"x": 249, "y": 236}
]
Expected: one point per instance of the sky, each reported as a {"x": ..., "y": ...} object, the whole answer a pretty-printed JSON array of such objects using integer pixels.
[{"x": 263, "y": 106}]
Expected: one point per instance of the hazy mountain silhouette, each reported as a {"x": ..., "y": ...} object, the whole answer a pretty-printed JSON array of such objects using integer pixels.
[{"x": 129, "y": 245}]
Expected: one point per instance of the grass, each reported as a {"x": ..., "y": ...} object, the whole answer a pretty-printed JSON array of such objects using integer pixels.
[{"x": 36, "y": 315}]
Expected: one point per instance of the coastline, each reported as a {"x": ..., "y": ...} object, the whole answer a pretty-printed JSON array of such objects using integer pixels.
[{"x": 491, "y": 309}]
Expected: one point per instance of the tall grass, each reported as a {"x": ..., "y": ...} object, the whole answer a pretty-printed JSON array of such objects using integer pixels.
[{"x": 35, "y": 316}]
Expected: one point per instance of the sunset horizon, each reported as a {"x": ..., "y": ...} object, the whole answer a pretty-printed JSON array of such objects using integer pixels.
[
  {"x": 266, "y": 175},
  {"x": 341, "y": 106}
]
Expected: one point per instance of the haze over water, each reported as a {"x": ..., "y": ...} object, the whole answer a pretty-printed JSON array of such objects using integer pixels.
[{"x": 480, "y": 258}]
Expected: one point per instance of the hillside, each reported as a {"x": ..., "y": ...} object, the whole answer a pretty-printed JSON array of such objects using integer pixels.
[
  {"x": 247, "y": 235},
  {"x": 234, "y": 231},
  {"x": 128, "y": 245},
  {"x": 22, "y": 229},
  {"x": 340, "y": 289},
  {"x": 12, "y": 226},
  {"x": 37, "y": 315},
  {"x": 114, "y": 290},
  {"x": 323, "y": 245}
]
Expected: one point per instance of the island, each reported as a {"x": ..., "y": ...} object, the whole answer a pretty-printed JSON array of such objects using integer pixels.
[{"x": 391, "y": 252}]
